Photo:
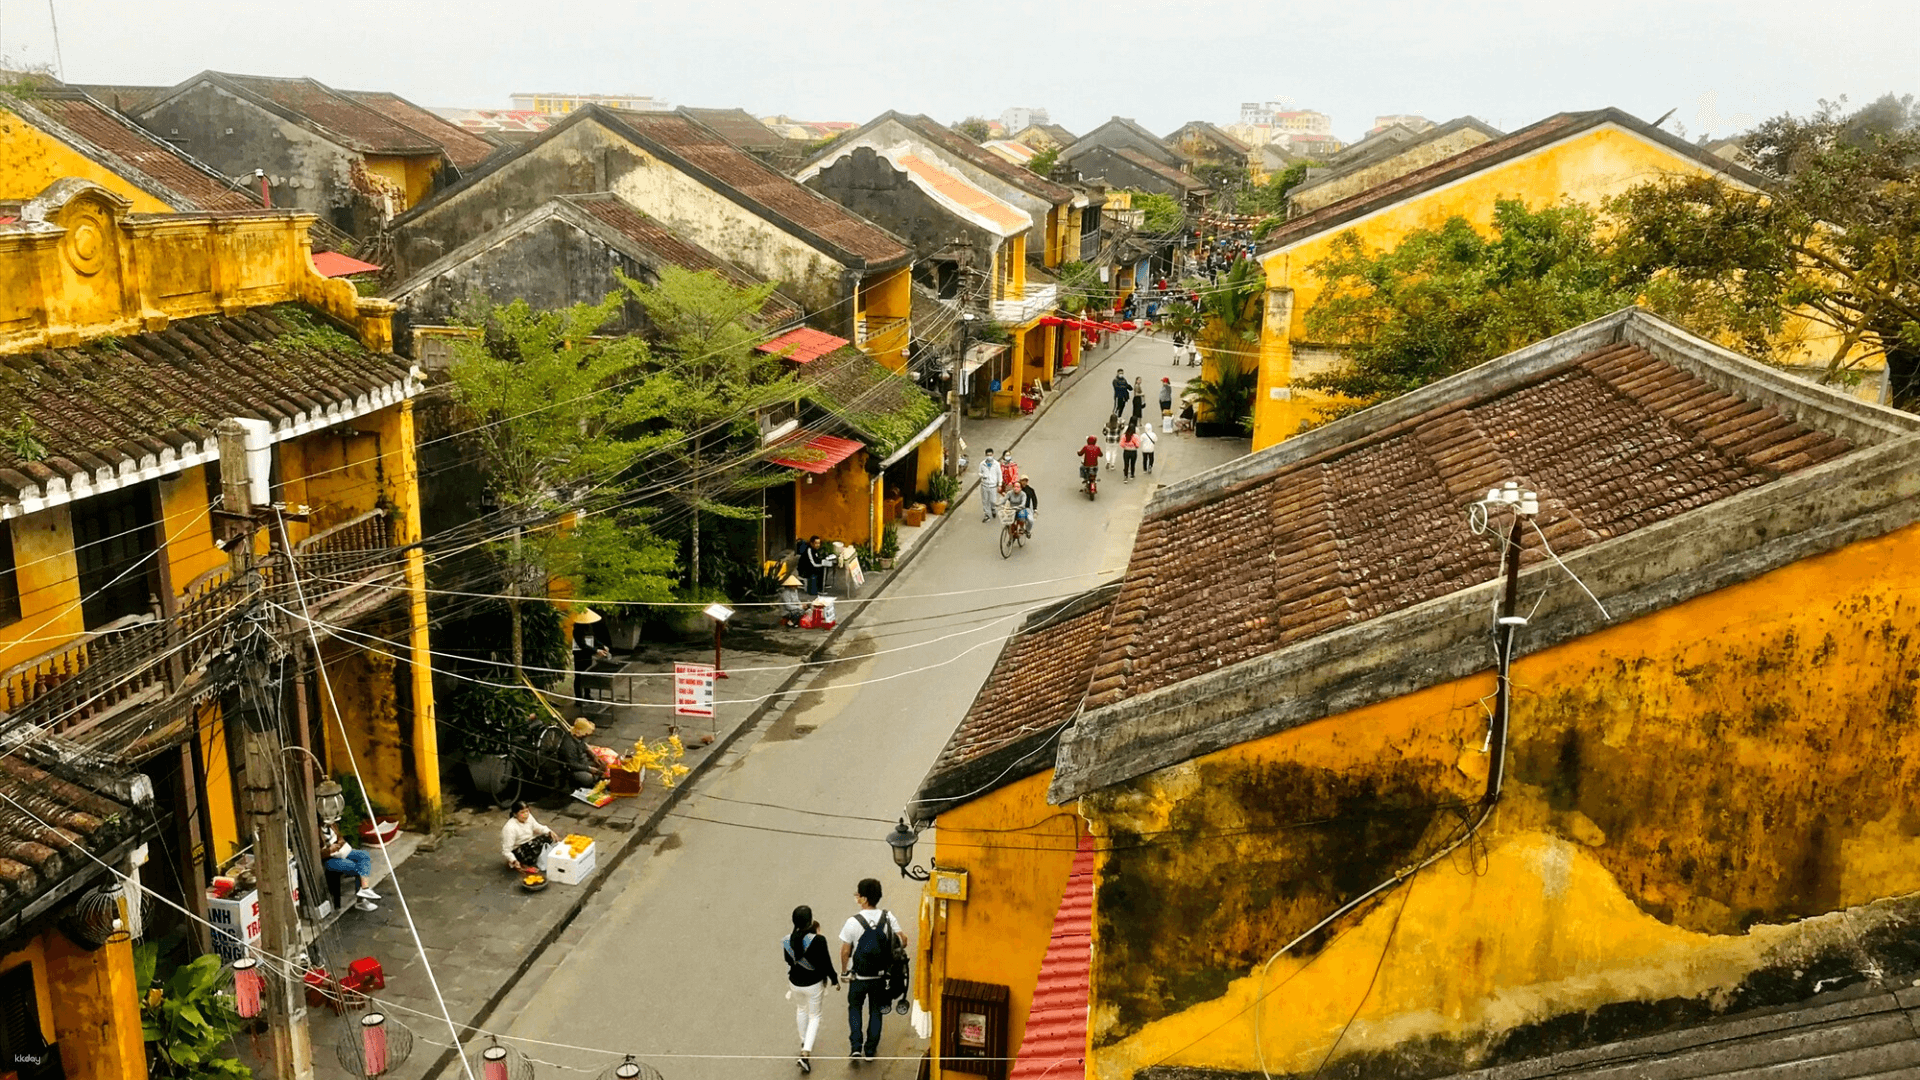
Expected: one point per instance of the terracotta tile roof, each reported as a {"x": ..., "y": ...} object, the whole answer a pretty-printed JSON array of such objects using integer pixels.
[
  {"x": 1486, "y": 155},
  {"x": 138, "y": 154},
  {"x": 964, "y": 193},
  {"x": 764, "y": 190},
  {"x": 120, "y": 403},
  {"x": 43, "y": 817},
  {"x": 1036, "y": 684},
  {"x": 463, "y": 147},
  {"x": 803, "y": 344},
  {"x": 980, "y": 157},
  {"x": 741, "y": 128},
  {"x": 1054, "y": 1044},
  {"x": 1162, "y": 170},
  {"x": 354, "y": 124},
  {"x": 621, "y": 216},
  {"x": 1615, "y": 439},
  {"x": 812, "y": 452},
  {"x": 883, "y": 407},
  {"x": 1207, "y": 131},
  {"x": 120, "y": 97}
]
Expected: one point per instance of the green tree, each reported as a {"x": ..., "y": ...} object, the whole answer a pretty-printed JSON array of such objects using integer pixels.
[
  {"x": 1082, "y": 290},
  {"x": 975, "y": 128},
  {"x": 551, "y": 411},
  {"x": 1163, "y": 212},
  {"x": 1270, "y": 198},
  {"x": 717, "y": 380},
  {"x": 1043, "y": 161},
  {"x": 1833, "y": 239},
  {"x": 1446, "y": 299},
  {"x": 189, "y": 1030}
]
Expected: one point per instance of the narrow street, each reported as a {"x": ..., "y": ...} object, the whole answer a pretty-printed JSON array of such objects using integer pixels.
[{"x": 677, "y": 960}]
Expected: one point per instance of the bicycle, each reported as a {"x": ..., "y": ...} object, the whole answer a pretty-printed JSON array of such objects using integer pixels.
[{"x": 1013, "y": 531}]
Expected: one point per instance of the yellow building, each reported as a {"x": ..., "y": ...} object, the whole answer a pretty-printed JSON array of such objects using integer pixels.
[
  {"x": 1324, "y": 839},
  {"x": 58, "y": 131},
  {"x": 1585, "y": 157},
  {"x": 129, "y": 338}
]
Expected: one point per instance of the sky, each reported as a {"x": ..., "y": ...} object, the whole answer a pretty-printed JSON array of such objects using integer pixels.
[{"x": 1720, "y": 64}]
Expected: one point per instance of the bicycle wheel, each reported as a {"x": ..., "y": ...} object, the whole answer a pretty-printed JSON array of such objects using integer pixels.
[
  {"x": 1020, "y": 536},
  {"x": 1006, "y": 540}
]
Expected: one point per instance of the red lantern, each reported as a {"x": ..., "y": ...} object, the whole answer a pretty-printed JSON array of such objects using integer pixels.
[
  {"x": 249, "y": 987},
  {"x": 493, "y": 1063},
  {"x": 1129, "y": 325},
  {"x": 373, "y": 1044},
  {"x": 1051, "y": 320}
]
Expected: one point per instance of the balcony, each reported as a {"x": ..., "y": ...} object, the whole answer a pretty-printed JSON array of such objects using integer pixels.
[
  {"x": 129, "y": 687},
  {"x": 1036, "y": 301},
  {"x": 882, "y": 337}
]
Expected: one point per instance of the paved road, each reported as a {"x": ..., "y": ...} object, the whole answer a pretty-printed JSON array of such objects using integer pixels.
[{"x": 677, "y": 957}]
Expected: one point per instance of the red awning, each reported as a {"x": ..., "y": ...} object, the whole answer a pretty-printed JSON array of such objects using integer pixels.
[
  {"x": 814, "y": 453},
  {"x": 1055, "y": 1043},
  {"x": 1051, "y": 320},
  {"x": 334, "y": 264},
  {"x": 803, "y": 344}
]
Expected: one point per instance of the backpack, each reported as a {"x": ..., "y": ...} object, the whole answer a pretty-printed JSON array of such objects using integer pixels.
[
  {"x": 800, "y": 961},
  {"x": 873, "y": 953}
]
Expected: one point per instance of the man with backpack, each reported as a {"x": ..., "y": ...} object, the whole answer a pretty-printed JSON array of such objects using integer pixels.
[{"x": 868, "y": 946}]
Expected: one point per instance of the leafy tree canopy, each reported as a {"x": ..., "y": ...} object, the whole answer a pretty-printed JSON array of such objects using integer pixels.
[
  {"x": 1042, "y": 162},
  {"x": 975, "y": 128},
  {"x": 1270, "y": 198},
  {"x": 1163, "y": 212}
]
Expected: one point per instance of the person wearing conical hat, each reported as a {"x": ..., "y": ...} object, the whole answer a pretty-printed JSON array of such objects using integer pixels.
[{"x": 791, "y": 605}]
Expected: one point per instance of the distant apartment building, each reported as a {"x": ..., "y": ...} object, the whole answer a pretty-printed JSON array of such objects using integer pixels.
[
  {"x": 559, "y": 104},
  {"x": 1304, "y": 121},
  {"x": 1021, "y": 117},
  {"x": 1413, "y": 122}
]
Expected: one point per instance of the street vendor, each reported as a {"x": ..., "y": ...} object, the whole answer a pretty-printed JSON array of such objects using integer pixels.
[
  {"x": 525, "y": 841},
  {"x": 585, "y": 764},
  {"x": 792, "y": 605}
]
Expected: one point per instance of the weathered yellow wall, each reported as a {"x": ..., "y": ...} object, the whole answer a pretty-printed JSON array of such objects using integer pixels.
[
  {"x": 1017, "y": 852},
  {"x": 834, "y": 506},
  {"x": 96, "y": 1009},
  {"x": 1588, "y": 168},
  {"x": 35, "y": 952},
  {"x": 888, "y": 295},
  {"x": 1695, "y": 800},
  {"x": 30, "y": 159},
  {"x": 220, "y": 764},
  {"x": 47, "y": 576},
  {"x": 1388, "y": 168}
]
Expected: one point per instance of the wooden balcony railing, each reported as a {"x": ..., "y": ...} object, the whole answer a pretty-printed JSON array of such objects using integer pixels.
[{"x": 877, "y": 334}]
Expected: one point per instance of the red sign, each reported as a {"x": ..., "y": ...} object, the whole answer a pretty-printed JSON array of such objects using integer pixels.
[{"x": 692, "y": 689}]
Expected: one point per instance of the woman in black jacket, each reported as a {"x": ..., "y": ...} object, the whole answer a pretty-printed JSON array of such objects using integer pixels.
[{"x": 809, "y": 969}]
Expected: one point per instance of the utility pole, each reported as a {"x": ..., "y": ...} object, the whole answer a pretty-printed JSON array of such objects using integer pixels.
[
  {"x": 958, "y": 402},
  {"x": 254, "y": 700},
  {"x": 1524, "y": 505}
]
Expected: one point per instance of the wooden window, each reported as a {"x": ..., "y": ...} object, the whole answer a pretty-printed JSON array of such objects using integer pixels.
[
  {"x": 25, "y": 1053},
  {"x": 973, "y": 1028},
  {"x": 9, "y": 580},
  {"x": 113, "y": 535}
]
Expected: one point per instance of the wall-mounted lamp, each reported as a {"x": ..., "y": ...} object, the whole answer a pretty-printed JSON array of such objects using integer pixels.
[
  {"x": 330, "y": 801},
  {"x": 901, "y": 840}
]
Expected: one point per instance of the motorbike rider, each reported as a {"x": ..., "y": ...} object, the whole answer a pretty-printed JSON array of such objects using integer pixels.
[{"x": 1090, "y": 456}]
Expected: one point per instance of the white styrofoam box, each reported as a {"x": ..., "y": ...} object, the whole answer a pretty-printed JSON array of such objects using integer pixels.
[
  {"x": 236, "y": 923},
  {"x": 569, "y": 869}
]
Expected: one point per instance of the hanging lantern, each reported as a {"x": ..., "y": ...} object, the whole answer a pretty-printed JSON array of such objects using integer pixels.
[
  {"x": 97, "y": 918},
  {"x": 630, "y": 1070},
  {"x": 249, "y": 987},
  {"x": 1129, "y": 325},
  {"x": 375, "y": 1046},
  {"x": 497, "y": 1062}
]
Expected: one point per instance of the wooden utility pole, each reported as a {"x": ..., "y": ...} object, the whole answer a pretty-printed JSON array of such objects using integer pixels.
[{"x": 255, "y": 702}]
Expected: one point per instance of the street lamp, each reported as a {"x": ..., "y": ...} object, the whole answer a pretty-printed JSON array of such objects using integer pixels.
[
  {"x": 901, "y": 840},
  {"x": 719, "y": 613},
  {"x": 330, "y": 800}
]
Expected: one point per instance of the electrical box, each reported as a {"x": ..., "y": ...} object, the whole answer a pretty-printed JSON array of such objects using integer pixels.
[{"x": 949, "y": 884}]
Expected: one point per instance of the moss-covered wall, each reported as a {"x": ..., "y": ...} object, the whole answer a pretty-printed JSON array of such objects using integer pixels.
[{"x": 1695, "y": 799}]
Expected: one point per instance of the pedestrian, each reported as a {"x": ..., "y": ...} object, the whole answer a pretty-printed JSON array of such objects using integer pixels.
[
  {"x": 989, "y": 484},
  {"x": 813, "y": 565},
  {"x": 1166, "y": 401},
  {"x": 1120, "y": 391},
  {"x": 866, "y": 955},
  {"x": 1179, "y": 348},
  {"x": 1129, "y": 452},
  {"x": 1139, "y": 399},
  {"x": 341, "y": 858},
  {"x": 1186, "y": 417},
  {"x": 809, "y": 969},
  {"x": 1146, "y": 448},
  {"x": 1009, "y": 475},
  {"x": 525, "y": 841}
]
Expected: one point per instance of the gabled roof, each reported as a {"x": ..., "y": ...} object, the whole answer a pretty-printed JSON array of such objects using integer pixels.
[
  {"x": 741, "y": 128},
  {"x": 1206, "y": 131},
  {"x": 1390, "y": 142},
  {"x": 812, "y": 452},
  {"x": 961, "y": 195},
  {"x": 1164, "y": 171},
  {"x": 126, "y": 149},
  {"x": 319, "y": 108},
  {"x": 1487, "y": 155},
  {"x": 1337, "y": 569},
  {"x": 707, "y": 157},
  {"x": 863, "y": 396},
  {"x": 617, "y": 223},
  {"x": 952, "y": 142},
  {"x": 1061, "y": 136},
  {"x": 47, "y": 811},
  {"x": 463, "y": 147},
  {"x": 122, "y": 97},
  {"x": 1091, "y": 139}
]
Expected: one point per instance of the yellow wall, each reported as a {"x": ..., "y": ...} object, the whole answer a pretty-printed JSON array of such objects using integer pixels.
[
  {"x": 220, "y": 763},
  {"x": 35, "y": 952},
  {"x": 1696, "y": 798},
  {"x": 96, "y": 1009},
  {"x": 1017, "y": 852},
  {"x": 888, "y": 295},
  {"x": 47, "y": 576},
  {"x": 1589, "y": 167},
  {"x": 835, "y": 505},
  {"x": 30, "y": 159}
]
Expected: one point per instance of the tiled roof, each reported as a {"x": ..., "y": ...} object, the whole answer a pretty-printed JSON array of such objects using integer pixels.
[
  {"x": 803, "y": 344},
  {"x": 813, "y": 452},
  {"x": 980, "y": 157},
  {"x": 120, "y": 97},
  {"x": 43, "y": 819},
  {"x": 671, "y": 247},
  {"x": 463, "y": 147},
  {"x": 757, "y": 184},
  {"x": 1206, "y": 130},
  {"x": 1487, "y": 154},
  {"x": 137, "y": 154},
  {"x": 882, "y": 406},
  {"x": 741, "y": 128},
  {"x": 354, "y": 124},
  {"x": 129, "y": 402},
  {"x": 1036, "y": 684},
  {"x": 1162, "y": 170},
  {"x": 1054, "y": 1044},
  {"x": 1615, "y": 439},
  {"x": 950, "y": 186}
]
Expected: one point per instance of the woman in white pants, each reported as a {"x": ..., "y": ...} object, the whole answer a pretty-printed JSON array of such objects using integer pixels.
[{"x": 809, "y": 969}]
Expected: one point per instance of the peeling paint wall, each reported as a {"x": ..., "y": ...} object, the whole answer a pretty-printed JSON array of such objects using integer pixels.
[
  {"x": 30, "y": 159},
  {"x": 1700, "y": 803}
]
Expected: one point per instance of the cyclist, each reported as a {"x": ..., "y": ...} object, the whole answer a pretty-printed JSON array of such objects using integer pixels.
[
  {"x": 1090, "y": 456},
  {"x": 1033, "y": 502},
  {"x": 1022, "y": 511}
]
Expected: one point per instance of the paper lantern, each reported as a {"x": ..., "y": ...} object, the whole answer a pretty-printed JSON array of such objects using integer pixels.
[
  {"x": 373, "y": 1041},
  {"x": 1051, "y": 320},
  {"x": 630, "y": 1070},
  {"x": 249, "y": 987},
  {"x": 1129, "y": 325},
  {"x": 496, "y": 1062},
  {"x": 375, "y": 1046}
]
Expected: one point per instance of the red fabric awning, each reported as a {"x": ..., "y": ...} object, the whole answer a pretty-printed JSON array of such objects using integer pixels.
[
  {"x": 814, "y": 453},
  {"x": 334, "y": 264}
]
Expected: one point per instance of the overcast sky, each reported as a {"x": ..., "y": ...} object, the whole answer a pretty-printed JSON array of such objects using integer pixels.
[{"x": 1720, "y": 63}]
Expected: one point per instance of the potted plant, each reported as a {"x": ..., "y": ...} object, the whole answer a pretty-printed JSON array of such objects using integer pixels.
[
  {"x": 941, "y": 489},
  {"x": 889, "y": 547},
  {"x": 487, "y": 722}
]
